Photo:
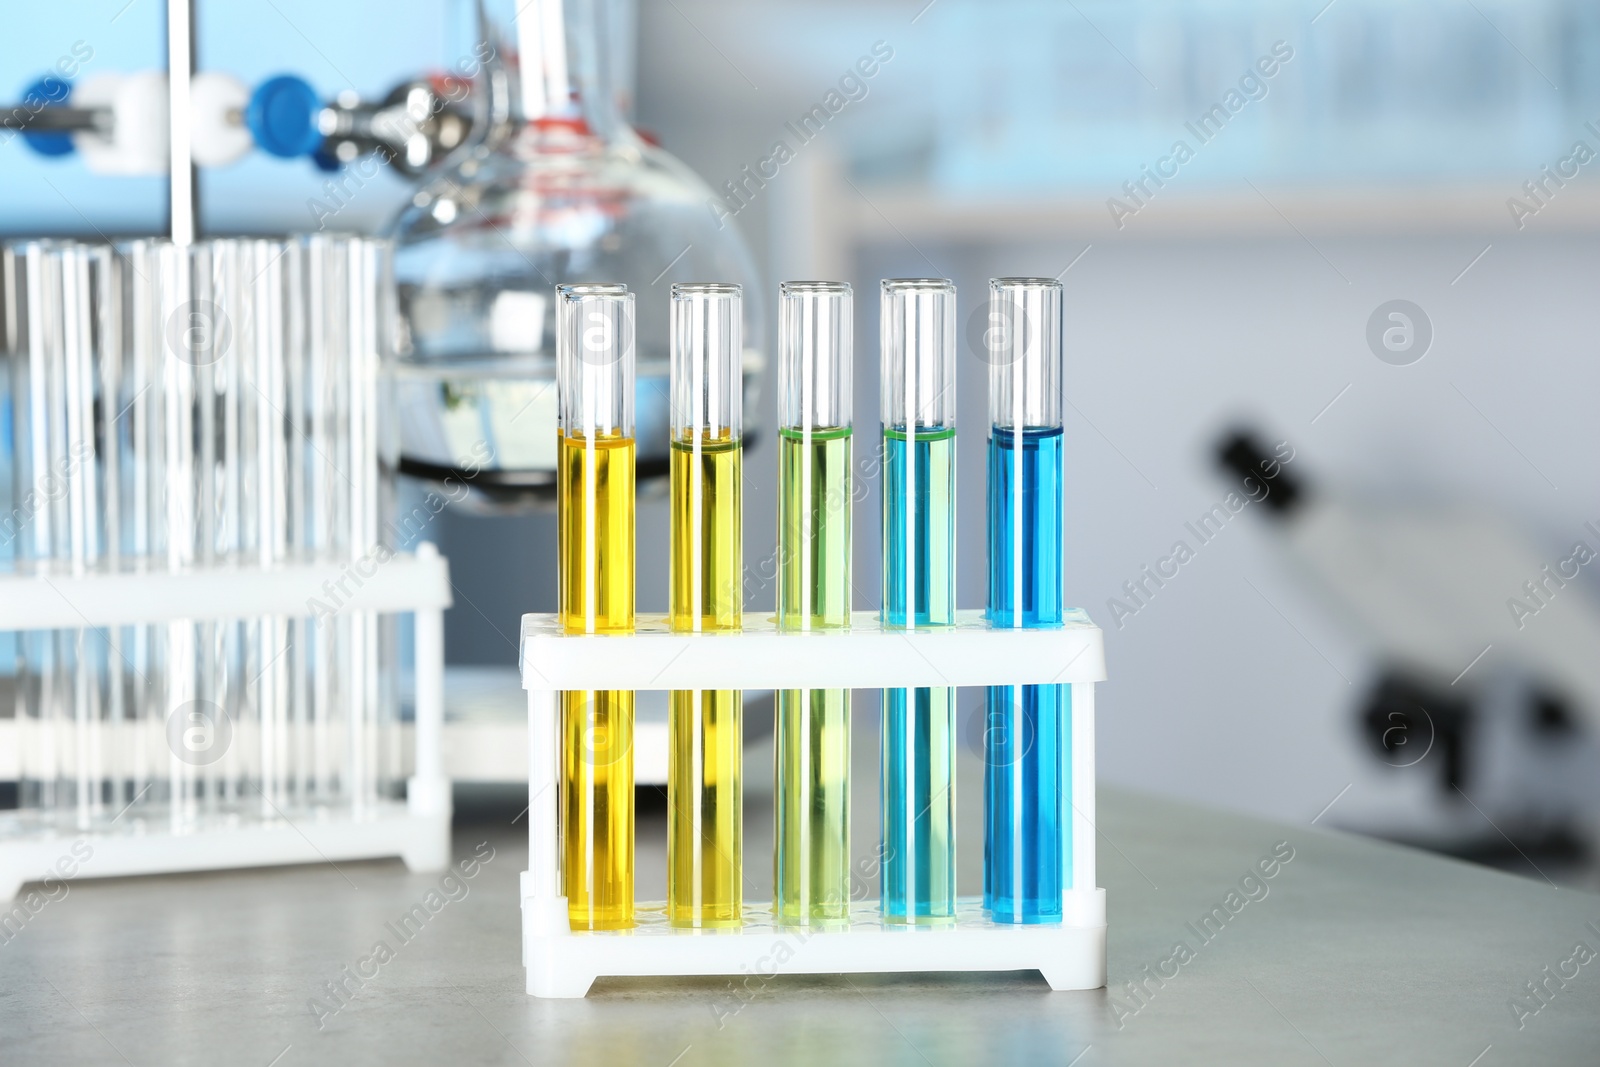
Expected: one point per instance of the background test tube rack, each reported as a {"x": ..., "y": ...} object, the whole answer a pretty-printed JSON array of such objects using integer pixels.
[
  {"x": 190, "y": 560},
  {"x": 561, "y": 962},
  {"x": 416, "y": 829}
]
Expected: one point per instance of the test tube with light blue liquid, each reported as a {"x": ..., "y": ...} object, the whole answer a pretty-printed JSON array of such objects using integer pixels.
[
  {"x": 1026, "y": 850},
  {"x": 918, "y": 407}
]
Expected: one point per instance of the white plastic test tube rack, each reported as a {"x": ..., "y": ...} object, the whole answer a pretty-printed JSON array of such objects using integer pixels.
[
  {"x": 417, "y": 829},
  {"x": 562, "y": 962}
]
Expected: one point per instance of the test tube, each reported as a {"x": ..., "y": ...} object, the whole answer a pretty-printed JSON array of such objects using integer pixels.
[
  {"x": 326, "y": 491},
  {"x": 35, "y": 308},
  {"x": 229, "y": 482},
  {"x": 183, "y": 402},
  {"x": 918, "y": 408},
  {"x": 267, "y": 528},
  {"x": 811, "y": 857},
  {"x": 84, "y": 271},
  {"x": 110, "y": 373},
  {"x": 704, "y": 781},
  {"x": 595, "y": 547},
  {"x": 301, "y": 371},
  {"x": 1025, "y": 845},
  {"x": 142, "y": 422}
]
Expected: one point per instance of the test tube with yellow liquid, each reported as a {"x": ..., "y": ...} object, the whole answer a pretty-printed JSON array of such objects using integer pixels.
[
  {"x": 705, "y": 835},
  {"x": 811, "y": 859},
  {"x": 595, "y": 523}
]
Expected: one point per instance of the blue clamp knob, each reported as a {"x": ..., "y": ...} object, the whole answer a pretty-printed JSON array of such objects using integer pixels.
[
  {"x": 56, "y": 90},
  {"x": 325, "y": 160},
  {"x": 282, "y": 116}
]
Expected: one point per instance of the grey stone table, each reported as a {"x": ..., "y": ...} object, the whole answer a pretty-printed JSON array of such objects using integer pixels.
[{"x": 1352, "y": 952}]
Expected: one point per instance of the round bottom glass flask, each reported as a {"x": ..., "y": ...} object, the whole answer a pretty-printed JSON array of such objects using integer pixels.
[{"x": 559, "y": 189}]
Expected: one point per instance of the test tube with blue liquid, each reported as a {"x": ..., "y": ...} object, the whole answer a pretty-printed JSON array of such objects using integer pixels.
[
  {"x": 1026, "y": 852},
  {"x": 918, "y": 408}
]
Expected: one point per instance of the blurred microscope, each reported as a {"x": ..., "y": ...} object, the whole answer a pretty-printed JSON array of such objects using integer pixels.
[{"x": 1485, "y": 703}]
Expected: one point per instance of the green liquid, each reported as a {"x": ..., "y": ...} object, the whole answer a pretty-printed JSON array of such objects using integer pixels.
[
  {"x": 814, "y": 529},
  {"x": 811, "y": 863}
]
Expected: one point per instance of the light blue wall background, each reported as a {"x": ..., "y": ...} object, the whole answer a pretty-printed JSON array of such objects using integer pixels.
[
  {"x": 366, "y": 46},
  {"x": 1214, "y": 695}
]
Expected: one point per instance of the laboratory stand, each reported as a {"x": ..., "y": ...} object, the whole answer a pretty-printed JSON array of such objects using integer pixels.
[{"x": 152, "y": 838}]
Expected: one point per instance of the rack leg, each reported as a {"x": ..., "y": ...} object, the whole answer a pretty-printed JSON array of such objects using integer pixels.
[
  {"x": 544, "y": 864},
  {"x": 544, "y": 909},
  {"x": 1084, "y": 903},
  {"x": 428, "y": 791}
]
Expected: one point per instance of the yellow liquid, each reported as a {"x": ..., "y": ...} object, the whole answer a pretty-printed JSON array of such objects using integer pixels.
[
  {"x": 597, "y": 808},
  {"x": 705, "y": 829},
  {"x": 705, "y": 835},
  {"x": 707, "y": 565},
  {"x": 811, "y": 811},
  {"x": 595, "y": 535}
]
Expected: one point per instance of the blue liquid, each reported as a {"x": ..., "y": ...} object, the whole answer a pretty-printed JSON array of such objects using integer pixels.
[
  {"x": 1026, "y": 847},
  {"x": 918, "y": 873},
  {"x": 1040, "y": 556},
  {"x": 1027, "y": 769}
]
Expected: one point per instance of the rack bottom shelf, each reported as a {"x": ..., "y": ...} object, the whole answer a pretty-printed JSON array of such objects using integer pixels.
[
  {"x": 562, "y": 963},
  {"x": 390, "y": 828}
]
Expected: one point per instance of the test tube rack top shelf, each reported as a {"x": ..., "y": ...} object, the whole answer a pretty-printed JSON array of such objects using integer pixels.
[
  {"x": 562, "y": 962},
  {"x": 417, "y": 829}
]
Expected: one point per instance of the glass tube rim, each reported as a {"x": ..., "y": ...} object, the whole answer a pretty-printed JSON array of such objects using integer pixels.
[
  {"x": 1025, "y": 283},
  {"x": 917, "y": 344},
  {"x": 707, "y": 289},
  {"x": 1026, "y": 357},
  {"x": 579, "y": 377},
  {"x": 16, "y": 245},
  {"x": 705, "y": 364},
  {"x": 809, "y": 287},
  {"x": 916, "y": 285},
  {"x": 815, "y": 354},
  {"x": 575, "y": 289}
]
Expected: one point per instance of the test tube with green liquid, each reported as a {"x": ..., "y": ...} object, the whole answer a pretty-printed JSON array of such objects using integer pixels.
[
  {"x": 918, "y": 409},
  {"x": 595, "y": 587},
  {"x": 811, "y": 860},
  {"x": 705, "y": 837}
]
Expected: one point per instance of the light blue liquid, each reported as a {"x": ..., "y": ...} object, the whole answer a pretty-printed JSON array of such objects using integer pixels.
[
  {"x": 932, "y": 578},
  {"x": 919, "y": 852},
  {"x": 919, "y": 726},
  {"x": 1026, "y": 848}
]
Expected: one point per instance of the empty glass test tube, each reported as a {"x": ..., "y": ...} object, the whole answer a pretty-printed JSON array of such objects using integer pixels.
[
  {"x": 811, "y": 855},
  {"x": 705, "y": 832},
  {"x": 58, "y": 349},
  {"x": 595, "y": 535},
  {"x": 1025, "y": 846},
  {"x": 918, "y": 409}
]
